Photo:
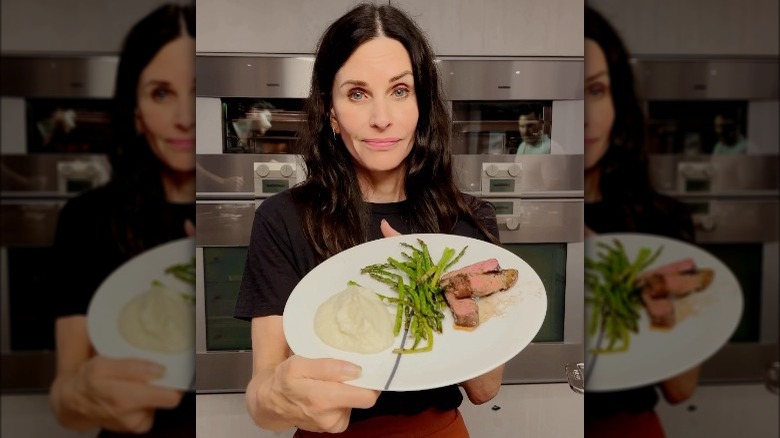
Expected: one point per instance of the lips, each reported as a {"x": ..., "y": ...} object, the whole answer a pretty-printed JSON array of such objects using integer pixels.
[
  {"x": 590, "y": 141},
  {"x": 381, "y": 143},
  {"x": 182, "y": 143}
]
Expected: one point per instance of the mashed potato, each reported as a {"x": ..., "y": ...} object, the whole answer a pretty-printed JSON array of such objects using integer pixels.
[
  {"x": 160, "y": 319},
  {"x": 355, "y": 320}
]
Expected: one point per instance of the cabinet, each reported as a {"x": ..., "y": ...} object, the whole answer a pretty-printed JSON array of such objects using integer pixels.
[
  {"x": 250, "y": 26},
  {"x": 694, "y": 27},
  {"x": 500, "y": 27}
]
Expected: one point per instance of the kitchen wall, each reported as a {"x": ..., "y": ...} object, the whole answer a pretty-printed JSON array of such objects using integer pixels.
[{"x": 76, "y": 26}]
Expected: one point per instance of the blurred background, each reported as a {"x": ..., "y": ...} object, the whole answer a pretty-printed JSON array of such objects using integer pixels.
[
  {"x": 58, "y": 64},
  {"x": 707, "y": 76}
]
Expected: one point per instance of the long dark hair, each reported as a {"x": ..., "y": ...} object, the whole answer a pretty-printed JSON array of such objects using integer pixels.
[
  {"x": 140, "y": 219},
  {"x": 335, "y": 217},
  {"x": 625, "y": 176}
]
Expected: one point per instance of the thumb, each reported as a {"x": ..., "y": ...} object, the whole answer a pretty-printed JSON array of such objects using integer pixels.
[
  {"x": 137, "y": 370},
  {"x": 387, "y": 230}
]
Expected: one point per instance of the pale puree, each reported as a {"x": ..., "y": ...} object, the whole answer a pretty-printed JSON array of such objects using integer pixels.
[
  {"x": 355, "y": 320},
  {"x": 160, "y": 319}
]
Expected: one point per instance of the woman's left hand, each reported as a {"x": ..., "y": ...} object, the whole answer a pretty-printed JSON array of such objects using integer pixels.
[{"x": 387, "y": 230}]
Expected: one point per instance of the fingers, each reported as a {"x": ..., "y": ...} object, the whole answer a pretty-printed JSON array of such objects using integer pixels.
[
  {"x": 189, "y": 228},
  {"x": 134, "y": 370},
  {"x": 387, "y": 230},
  {"x": 130, "y": 396},
  {"x": 331, "y": 370}
]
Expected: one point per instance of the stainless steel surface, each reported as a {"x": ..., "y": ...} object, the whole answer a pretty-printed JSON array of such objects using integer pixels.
[
  {"x": 28, "y": 222},
  {"x": 34, "y": 175},
  {"x": 231, "y": 176},
  {"x": 271, "y": 77},
  {"x": 541, "y": 220},
  {"x": 521, "y": 79},
  {"x": 224, "y": 223},
  {"x": 692, "y": 78},
  {"x": 741, "y": 175},
  {"x": 253, "y": 76},
  {"x": 772, "y": 373},
  {"x": 58, "y": 76},
  {"x": 539, "y": 175},
  {"x": 575, "y": 373}
]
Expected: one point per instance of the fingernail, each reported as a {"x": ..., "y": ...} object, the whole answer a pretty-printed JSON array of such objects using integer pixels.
[{"x": 350, "y": 369}]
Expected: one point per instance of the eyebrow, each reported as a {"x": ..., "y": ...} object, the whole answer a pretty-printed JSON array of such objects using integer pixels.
[
  {"x": 364, "y": 84},
  {"x": 155, "y": 83},
  {"x": 593, "y": 77}
]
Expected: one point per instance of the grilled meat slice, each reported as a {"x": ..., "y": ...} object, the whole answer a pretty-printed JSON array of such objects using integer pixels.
[
  {"x": 480, "y": 285},
  {"x": 489, "y": 265},
  {"x": 676, "y": 284},
  {"x": 465, "y": 311},
  {"x": 661, "y": 310}
]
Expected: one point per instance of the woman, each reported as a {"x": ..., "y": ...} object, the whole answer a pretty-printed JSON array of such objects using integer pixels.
[
  {"x": 149, "y": 201},
  {"x": 619, "y": 197},
  {"x": 376, "y": 148}
]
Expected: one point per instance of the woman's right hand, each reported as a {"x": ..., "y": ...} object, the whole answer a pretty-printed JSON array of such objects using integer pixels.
[
  {"x": 115, "y": 394},
  {"x": 309, "y": 393}
]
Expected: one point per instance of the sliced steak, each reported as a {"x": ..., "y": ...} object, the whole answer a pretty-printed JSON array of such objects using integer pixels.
[
  {"x": 465, "y": 311},
  {"x": 488, "y": 265},
  {"x": 677, "y": 284},
  {"x": 480, "y": 285},
  {"x": 661, "y": 311},
  {"x": 678, "y": 267}
]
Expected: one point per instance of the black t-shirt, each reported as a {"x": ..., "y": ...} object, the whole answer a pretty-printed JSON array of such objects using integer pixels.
[
  {"x": 670, "y": 220},
  {"x": 279, "y": 256},
  {"x": 87, "y": 253}
]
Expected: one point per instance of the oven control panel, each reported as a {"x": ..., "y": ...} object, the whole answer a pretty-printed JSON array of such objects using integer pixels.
[
  {"x": 275, "y": 177},
  {"x": 501, "y": 178},
  {"x": 695, "y": 177}
]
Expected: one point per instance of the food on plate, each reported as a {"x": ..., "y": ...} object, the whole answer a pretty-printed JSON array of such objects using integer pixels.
[
  {"x": 477, "y": 280},
  {"x": 611, "y": 282},
  {"x": 355, "y": 320},
  {"x": 618, "y": 287},
  {"x": 162, "y": 319},
  {"x": 660, "y": 287},
  {"x": 158, "y": 320},
  {"x": 419, "y": 302}
]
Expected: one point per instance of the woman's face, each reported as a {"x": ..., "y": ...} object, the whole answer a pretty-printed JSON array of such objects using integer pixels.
[
  {"x": 599, "y": 110},
  {"x": 165, "y": 112},
  {"x": 374, "y": 105}
]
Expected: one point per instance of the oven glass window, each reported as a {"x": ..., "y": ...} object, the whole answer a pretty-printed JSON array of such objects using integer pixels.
[
  {"x": 31, "y": 314},
  {"x": 549, "y": 262},
  {"x": 501, "y": 127},
  {"x": 745, "y": 261},
  {"x": 69, "y": 125},
  {"x": 223, "y": 268},
  {"x": 696, "y": 127},
  {"x": 261, "y": 126}
]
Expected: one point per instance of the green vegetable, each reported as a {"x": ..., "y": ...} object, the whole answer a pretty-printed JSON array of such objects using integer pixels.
[
  {"x": 183, "y": 271},
  {"x": 420, "y": 300},
  {"x": 611, "y": 280}
]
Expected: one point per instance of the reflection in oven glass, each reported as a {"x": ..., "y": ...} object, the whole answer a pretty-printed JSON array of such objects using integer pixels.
[
  {"x": 222, "y": 269},
  {"x": 549, "y": 262}
]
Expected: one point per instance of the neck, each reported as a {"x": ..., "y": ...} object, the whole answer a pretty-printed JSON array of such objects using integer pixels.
[
  {"x": 382, "y": 187},
  {"x": 179, "y": 186},
  {"x": 593, "y": 184}
]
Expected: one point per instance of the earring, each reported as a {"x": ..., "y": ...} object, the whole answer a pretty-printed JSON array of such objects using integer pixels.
[{"x": 334, "y": 135}]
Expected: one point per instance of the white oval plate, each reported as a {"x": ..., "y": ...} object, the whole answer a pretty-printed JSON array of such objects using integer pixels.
[
  {"x": 457, "y": 355},
  {"x": 655, "y": 355},
  {"x": 135, "y": 277}
]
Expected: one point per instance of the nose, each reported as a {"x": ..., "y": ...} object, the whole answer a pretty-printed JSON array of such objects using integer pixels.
[
  {"x": 185, "y": 115},
  {"x": 380, "y": 114}
]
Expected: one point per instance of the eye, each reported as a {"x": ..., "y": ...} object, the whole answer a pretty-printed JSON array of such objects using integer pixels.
[
  {"x": 401, "y": 92},
  {"x": 356, "y": 95},
  {"x": 159, "y": 94},
  {"x": 597, "y": 90}
]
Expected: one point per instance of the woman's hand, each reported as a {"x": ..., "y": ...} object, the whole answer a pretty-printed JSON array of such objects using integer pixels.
[
  {"x": 287, "y": 390},
  {"x": 308, "y": 393},
  {"x": 115, "y": 394},
  {"x": 94, "y": 391}
]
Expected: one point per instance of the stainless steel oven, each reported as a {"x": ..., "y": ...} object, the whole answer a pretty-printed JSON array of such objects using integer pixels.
[
  {"x": 55, "y": 132},
  {"x": 539, "y": 197},
  {"x": 714, "y": 143}
]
